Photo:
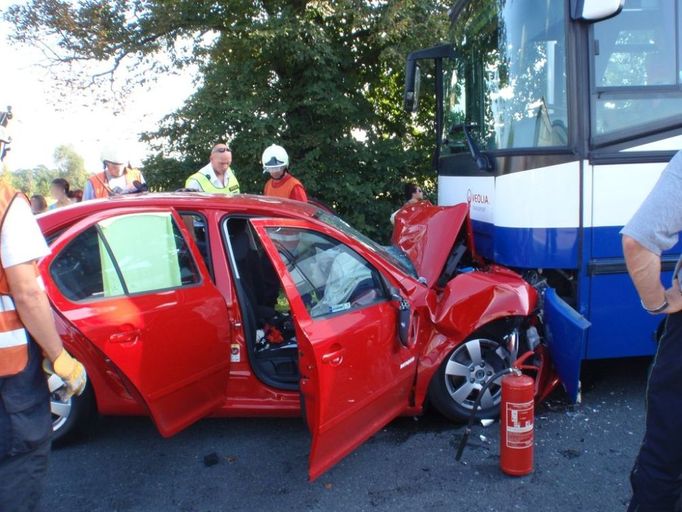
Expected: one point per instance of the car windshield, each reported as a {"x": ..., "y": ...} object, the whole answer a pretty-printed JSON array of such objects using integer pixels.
[{"x": 391, "y": 253}]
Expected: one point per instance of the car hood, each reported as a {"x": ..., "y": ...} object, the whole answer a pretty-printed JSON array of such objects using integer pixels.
[{"x": 427, "y": 233}]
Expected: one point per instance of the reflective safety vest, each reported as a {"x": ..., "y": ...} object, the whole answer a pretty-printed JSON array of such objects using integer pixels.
[
  {"x": 284, "y": 190},
  {"x": 13, "y": 335},
  {"x": 100, "y": 182},
  {"x": 204, "y": 180}
]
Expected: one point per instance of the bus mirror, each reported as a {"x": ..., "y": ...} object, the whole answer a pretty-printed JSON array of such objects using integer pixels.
[
  {"x": 413, "y": 73},
  {"x": 412, "y": 85},
  {"x": 595, "y": 10}
]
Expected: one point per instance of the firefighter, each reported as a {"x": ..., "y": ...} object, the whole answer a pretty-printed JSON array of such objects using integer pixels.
[
  {"x": 118, "y": 177},
  {"x": 216, "y": 177},
  {"x": 655, "y": 227},
  {"x": 281, "y": 183},
  {"x": 26, "y": 329}
]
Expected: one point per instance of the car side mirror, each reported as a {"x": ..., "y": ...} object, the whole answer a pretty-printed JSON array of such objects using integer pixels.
[{"x": 404, "y": 317}]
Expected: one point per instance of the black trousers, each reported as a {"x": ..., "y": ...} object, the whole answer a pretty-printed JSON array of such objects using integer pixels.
[
  {"x": 656, "y": 477},
  {"x": 25, "y": 431}
]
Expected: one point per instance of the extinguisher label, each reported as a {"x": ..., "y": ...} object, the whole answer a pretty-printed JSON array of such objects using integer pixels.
[{"x": 520, "y": 425}]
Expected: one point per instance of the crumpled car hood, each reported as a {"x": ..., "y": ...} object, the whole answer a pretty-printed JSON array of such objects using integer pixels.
[{"x": 426, "y": 233}]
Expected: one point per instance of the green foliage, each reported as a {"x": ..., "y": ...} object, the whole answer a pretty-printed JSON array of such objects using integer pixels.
[
  {"x": 163, "y": 174},
  {"x": 70, "y": 166},
  {"x": 322, "y": 78},
  {"x": 34, "y": 181}
]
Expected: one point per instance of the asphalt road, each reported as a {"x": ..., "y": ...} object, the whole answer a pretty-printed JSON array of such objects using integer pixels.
[{"x": 583, "y": 457}]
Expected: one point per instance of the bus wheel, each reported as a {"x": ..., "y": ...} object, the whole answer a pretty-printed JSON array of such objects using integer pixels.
[{"x": 457, "y": 383}]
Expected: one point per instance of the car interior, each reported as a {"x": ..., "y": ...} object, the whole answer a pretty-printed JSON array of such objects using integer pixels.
[
  {"x": 329, "y": 276},
  {"x": 266, "y": 313}
]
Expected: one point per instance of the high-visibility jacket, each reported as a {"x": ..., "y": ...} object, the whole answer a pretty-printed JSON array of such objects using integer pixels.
[
  {"x": 204, "y": 181},
  {"x": 100, "y": 182},
  {"x": 13, "y": 335},
  {"x": 284, "y": 187}
]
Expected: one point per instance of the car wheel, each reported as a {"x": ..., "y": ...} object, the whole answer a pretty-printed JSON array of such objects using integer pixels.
[
  {"x": 69, "y": 417},
  {"x": 460, "y": 378}
]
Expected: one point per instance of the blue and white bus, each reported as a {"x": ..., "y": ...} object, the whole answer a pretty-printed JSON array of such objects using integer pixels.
[{"x": 554, "y": 120}]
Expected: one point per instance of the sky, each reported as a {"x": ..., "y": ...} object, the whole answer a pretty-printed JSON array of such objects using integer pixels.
[{"x": 41, "y": 123}]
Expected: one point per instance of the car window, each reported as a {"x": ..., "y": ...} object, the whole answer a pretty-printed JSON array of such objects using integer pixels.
[
  {"x": 125, "y": 255},
  {"x": 330, "y": 276},
  {"x": 197, "y": 227}
]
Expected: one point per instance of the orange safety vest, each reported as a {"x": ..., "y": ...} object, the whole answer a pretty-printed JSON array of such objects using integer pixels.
[
  {"x": 13, "y": 336},
  {"x": 284, "y": 190},
  {"x": 100, "y": 182}
]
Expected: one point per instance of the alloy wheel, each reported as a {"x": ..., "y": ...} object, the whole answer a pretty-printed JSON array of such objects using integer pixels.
[
  {"x": 60, "y": 408},
  {"x": 470, "y": 366}
]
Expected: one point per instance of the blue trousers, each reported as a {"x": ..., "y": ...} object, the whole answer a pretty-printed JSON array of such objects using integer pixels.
[
  {"x": 25, "y": 431},
  {"x": 656, "y": 477}
]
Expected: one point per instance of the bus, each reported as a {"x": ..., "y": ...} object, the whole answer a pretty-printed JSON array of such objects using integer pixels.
[{"x": 554, "y": 120}]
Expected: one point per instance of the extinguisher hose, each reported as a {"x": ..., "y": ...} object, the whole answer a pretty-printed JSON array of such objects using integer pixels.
[{"x": 477, "y": 404}]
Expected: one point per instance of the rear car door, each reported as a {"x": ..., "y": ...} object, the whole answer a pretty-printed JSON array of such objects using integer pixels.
[
  {"x": 132, "y": 283},
  {"x": 355, "y": 374}
]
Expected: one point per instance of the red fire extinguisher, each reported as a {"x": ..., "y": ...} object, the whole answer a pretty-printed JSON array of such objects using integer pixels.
[{"x": 516, "y": 426}]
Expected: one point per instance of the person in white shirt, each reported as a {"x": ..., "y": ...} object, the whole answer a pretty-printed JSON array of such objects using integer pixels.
[{"x": 27, "y": 332}]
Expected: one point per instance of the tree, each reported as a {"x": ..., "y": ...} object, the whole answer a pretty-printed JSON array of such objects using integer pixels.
[
  {"x": 322, "y": 78},
  {"x": 70, "y": 166},
  {"x": 33, "y": 181}
]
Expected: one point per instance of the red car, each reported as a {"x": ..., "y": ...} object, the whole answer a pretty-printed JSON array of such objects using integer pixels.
[{"x": 187, "y": 305}]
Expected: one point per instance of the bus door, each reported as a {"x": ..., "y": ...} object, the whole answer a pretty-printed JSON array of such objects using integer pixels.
[{"x": 635, "y": 129}]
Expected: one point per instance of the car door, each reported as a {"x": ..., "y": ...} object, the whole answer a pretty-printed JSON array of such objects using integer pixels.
[
  {"x": 355, "y": 374},
  {"x": 132, "y": 283}
]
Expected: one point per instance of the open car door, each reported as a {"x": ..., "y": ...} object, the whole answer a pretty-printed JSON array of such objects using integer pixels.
[
  {"x": 133, "y": 283},
  {"x": 356, "y": 376}
]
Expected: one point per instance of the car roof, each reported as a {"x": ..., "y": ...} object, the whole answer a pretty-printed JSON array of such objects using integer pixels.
[{"x": 242, "y": 203}]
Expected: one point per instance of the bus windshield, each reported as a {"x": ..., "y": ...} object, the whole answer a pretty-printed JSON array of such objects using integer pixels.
[{"x": 509, "y": 74}]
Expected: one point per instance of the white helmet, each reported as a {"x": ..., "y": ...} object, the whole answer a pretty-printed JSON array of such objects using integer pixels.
[
  {"x": 114, "y": 155},
  {"x": 275, "y": 157}
]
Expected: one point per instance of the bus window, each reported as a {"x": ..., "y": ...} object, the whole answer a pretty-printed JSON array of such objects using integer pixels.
[
  {"x": 510, "y": 74},
  {"x": 635, "y": 69}
]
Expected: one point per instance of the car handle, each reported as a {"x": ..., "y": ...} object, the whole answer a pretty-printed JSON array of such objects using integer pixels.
[
  {"x": 125, "y": 337},
  {"x": 334, "y": 358}
]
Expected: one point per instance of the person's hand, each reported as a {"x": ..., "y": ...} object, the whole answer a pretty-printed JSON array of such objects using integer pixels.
[
  {"x": 673, "y": 296},
  {"x": 70, "y": 370}
]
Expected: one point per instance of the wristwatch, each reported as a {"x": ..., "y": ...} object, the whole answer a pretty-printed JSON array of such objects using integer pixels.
[{"x": 658, "y": 310}]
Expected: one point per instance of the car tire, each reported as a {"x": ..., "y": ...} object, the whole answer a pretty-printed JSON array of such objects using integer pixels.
[
  {"x": 455, "y": 386},
  {"x": 72, "y": 418}
]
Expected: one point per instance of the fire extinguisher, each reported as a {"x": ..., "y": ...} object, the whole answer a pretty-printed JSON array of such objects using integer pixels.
[
  {"x": 516, "y": 425},
  {"x": 517, "y": 418}
]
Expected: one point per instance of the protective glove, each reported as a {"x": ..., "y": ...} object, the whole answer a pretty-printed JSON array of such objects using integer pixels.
[{"x": 70, "y": 371}]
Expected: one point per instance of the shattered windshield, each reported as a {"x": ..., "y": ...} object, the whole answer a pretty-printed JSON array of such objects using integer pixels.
[{"x": 392, "y": 254}]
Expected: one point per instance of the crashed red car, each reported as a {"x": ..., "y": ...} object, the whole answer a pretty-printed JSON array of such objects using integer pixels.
[{"x": 187, "y": 305}]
